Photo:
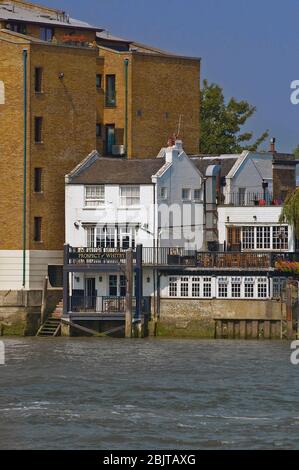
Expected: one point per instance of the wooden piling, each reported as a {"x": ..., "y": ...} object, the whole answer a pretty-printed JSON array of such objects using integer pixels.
[{"x": 129, "y": 293}]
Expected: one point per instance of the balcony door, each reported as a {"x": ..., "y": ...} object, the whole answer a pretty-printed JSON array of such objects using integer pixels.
[{"x": 90, "y": 293}]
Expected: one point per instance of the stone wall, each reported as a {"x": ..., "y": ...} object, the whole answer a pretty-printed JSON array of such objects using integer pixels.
[{"x": 180, "y": 317}]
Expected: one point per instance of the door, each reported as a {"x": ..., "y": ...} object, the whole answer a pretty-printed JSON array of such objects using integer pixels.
[
  {"x": 90, "y": 293},
  {"x": 110, "y": 138}
]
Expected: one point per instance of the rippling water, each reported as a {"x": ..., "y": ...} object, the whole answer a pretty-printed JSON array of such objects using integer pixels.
[{"x": 148, "y": 394}]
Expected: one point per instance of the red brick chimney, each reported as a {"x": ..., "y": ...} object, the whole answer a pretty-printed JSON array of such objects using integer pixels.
[{"x": 272, "y": 145}]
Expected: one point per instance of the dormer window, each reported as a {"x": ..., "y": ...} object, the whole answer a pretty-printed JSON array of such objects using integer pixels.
[
  {"x": 16, "y": 27},
  {"x": 46, "y": 34}
]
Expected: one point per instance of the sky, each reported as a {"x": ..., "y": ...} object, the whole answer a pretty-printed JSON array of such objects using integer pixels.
[{"x": 250, "y": 48}]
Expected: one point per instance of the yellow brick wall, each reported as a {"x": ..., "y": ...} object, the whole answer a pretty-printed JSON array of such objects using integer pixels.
[
  {"x": 160, "y": 90},
  {"x": 68, "y": 108},
  {"x": 69, "y": 131},
  {"x": 163, "y": 89},
  {"x": 11, "y": 146}
]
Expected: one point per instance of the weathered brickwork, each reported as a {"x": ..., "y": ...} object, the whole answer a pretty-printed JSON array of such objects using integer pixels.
[
  {"x": 160, "y": 90},
  {"x": 68, "y": 108}
]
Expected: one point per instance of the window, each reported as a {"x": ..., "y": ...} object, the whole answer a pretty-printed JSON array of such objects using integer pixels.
[
  {"x": 197, "y": 195},
  {"x": 94, "y": 196},
  {"x": 110, "y": 91},
  {"x": 236, "y": 287},
  {"x": 122, "y": 285},
  {"x": 173, "y": 287},
  {"x": 37, "y": 229},
  {"x": 38, "y": 125},
  {"x": 38, "y": 180},
  {"x": 163, "y": 193},
  {"x": 248, "y": 238},
  {"x": 262, "y": 287},
  {"x": 207, "y": 287},
  {"x": 46, "y": 34},
  {"x": 38, "y": 79},
  {"x": 195, "y": 286},
  {"x": 280, "y": 238},
  {"x": 222, "y": 287},
  {"x": 99, "y": 130},
  {"x": 263, "y": 238},
  {"x": 17, "y": 27},
  {"x": 129, "y": 195},
  {"x": 184, "y": 286},
  {"x": 90, "y": 240},
  {"x": 278, "y": 285},
  {"x": 113, "y": 285},
  {"x": 249, "y": 287},
  {"x": 99, "y": 80},
  {"x": 186, "y": 194}
]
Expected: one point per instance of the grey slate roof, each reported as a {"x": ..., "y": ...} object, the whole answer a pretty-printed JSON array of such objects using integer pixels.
[
  {"x": 137, "y": 171},
  {"x": 119, "y": 171},
  {"x": 57, "y": 18}
]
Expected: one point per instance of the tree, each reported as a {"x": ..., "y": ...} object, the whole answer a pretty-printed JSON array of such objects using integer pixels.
[
  {"x": 290, "y": 211},
  {"x": 296, "y": 151},
  {"x": 221, "y": 123}
]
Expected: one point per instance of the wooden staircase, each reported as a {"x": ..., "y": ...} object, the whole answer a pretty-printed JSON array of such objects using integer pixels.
[{"x": 52, "y": 326}]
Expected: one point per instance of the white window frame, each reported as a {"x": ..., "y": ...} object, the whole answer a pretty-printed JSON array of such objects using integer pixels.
[
  {"x": 95, "y": 200},
  {"x": 129, "y": 199},
  {"x": 199, "y": 198},
  {"x": 264, "y": 238}
]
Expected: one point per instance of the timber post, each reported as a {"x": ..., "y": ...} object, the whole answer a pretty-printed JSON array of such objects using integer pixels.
[
  {"x": 129, "y": 297},
  {"x": 138, "y": 291},
  {"x": 65, "y": 279},
  {"x": 44, "y": 301}
]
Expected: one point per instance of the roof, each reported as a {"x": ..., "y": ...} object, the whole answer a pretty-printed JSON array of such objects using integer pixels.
[
  {"x": 202, "y": 163},
  {"x": 110, "y": 41},
  {"x": 119, "y": 171},
  {"x": 17, "y": 12},
  {"x": 264, "y": 167}
]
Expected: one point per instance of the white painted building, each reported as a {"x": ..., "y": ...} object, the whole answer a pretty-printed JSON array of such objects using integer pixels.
[{"x": 117, "y": 204}]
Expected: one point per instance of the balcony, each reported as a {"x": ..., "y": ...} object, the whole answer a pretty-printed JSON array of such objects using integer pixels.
[
  {"x": 251, "y": 199},
  {"x": 104, "y": 305},
  {"x": 97, "y": 258}
]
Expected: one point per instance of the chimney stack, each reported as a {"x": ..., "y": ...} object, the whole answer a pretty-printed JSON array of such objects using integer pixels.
[{"x": 272, "y": 145}]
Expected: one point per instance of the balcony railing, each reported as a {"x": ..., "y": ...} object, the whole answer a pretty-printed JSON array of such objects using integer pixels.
[
  {"x": 251, "y": 199},
  {"x": 104, "y": 304},
  {"x": 169, "y": 256}
]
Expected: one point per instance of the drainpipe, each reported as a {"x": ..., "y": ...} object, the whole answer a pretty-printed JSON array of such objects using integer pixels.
[
  {"x": 126, "y": 65},
  {"x": 25, "y": 55}
]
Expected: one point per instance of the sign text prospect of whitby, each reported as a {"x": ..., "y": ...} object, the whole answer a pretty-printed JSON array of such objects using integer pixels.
[{"x": 97, "y": 254}]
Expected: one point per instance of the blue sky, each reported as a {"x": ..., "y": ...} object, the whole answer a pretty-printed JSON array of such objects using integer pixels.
[{"x": 250, "y": 48}]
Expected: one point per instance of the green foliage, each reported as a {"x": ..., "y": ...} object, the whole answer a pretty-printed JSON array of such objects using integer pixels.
[
  {"x": 221, "y": 123},
  {"x": 296, "y": 151},
  {"x": 290, "y": 211}
]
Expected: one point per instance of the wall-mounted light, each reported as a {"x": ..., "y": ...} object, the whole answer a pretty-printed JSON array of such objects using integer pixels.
[
  {"x": 255, "y": 218},
  {"x": 148, "y": 279},
  {"x": 77, "y": 279},
  {"x": 227, "y": 219},
  {"x": 61, "y": 75},
  {"x": 76, "y": 224},
  {"x": 100, "y": 279}
]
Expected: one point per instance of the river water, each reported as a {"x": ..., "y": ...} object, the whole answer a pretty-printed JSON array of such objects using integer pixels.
[{"x": 148, "y": 394}]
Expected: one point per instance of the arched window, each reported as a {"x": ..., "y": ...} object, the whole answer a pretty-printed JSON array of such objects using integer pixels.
[{"x": 2, "y": 93}]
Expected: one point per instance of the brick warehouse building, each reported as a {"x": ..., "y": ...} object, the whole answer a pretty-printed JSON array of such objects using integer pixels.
[{"x": 67, "y": 88}]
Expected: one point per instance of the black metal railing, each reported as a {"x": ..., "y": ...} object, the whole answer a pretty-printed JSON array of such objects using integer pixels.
[
  {"x": 104, "y": 304},
  {"x": 170, "y": 256},
  {"x": 251, "y": 199}
]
